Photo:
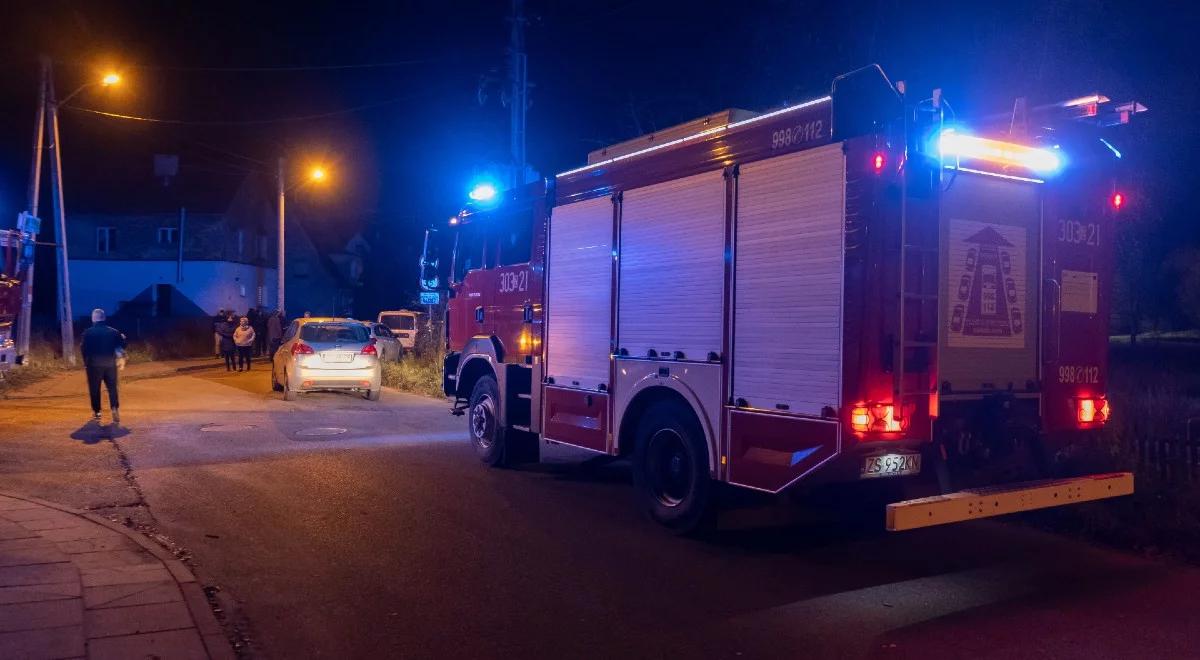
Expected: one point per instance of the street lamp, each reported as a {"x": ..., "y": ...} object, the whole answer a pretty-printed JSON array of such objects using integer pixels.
[
  {"x": 48, "y": 109},
  {"x": 111, "y": 78},
  {"x": 316, "y": 174}
]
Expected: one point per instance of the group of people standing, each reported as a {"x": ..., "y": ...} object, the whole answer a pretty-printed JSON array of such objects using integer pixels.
[{"x": 255, "y": 334}]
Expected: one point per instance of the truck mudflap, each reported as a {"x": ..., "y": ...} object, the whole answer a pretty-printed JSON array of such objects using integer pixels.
[{"x": 1011, "y": 498}]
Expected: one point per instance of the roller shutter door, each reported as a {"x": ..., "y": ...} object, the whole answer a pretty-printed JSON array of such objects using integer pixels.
[{"x": 788, "y": 275}]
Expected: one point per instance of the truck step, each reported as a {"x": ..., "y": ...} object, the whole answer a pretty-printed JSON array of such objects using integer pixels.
[{"x": 524, "y": 395}]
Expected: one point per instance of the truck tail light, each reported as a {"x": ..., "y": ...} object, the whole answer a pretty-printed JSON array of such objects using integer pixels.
[
  {"x": 875, "y": 418},
  {"x": 1092, "y": 410},
  {"x": 300, "y": 348},
  {"x": 370, "y": 349}
]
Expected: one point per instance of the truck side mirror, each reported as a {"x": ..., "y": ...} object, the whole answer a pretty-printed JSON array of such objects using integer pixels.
[{"x": 430, "y": 279}]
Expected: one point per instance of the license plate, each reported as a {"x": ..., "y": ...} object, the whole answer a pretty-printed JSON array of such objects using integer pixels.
[
  {"x": 330, "y": 356},
  {"x": 890, "y": 465}
]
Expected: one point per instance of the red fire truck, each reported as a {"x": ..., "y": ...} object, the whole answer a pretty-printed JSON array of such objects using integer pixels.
[{"x": 849, "y": 289}]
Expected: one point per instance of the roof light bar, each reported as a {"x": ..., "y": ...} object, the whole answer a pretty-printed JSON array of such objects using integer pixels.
[
  {"x": 688, "y": 138},
  {"x": 1008, "y": 154}
]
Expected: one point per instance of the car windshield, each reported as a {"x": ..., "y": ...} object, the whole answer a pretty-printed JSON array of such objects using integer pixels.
[
  {"x": 334, "y": 332},
  {"x": 399, "y": 322}
]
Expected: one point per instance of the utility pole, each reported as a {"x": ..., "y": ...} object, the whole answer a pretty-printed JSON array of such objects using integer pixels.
[
  {"x": 518, "y": 93},
  {"x": 35, "y": 193},
  {"x": 65, "y": 318},
  {"x": 280, "y": 249}
]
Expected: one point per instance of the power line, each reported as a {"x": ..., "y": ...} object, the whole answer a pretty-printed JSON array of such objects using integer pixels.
[
  {"x": 284, "y": 69},
  {"x": 247, "y": 122},
  {"x": 227, "y": 152}
]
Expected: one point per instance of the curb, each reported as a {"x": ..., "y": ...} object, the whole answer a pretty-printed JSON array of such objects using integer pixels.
[
  {"x": 198, "y": 367},
  {"x": 211, "y": 634}
]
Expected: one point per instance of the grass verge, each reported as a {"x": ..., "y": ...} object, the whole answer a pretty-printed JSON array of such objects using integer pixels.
[
  {"x": 45, "y": 360},
  {"x": 418, "y": 373}
]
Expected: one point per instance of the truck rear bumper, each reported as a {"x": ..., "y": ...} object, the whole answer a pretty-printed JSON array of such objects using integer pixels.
[{"x": 988, "y": 502}]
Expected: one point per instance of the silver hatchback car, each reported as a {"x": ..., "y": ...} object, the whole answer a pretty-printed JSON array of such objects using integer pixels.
[{"x": 326, "y": 354}]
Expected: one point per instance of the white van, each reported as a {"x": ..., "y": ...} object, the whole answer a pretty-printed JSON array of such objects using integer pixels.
[{"x": 403, "y": 324}]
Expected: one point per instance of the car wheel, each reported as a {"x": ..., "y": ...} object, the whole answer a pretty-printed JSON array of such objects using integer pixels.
[
  {"x": 288, "y": 393},
  {"x": 373, "y": 395},
  {"x": 274, "y": 382},
  {"x": 670, "y": 468}
]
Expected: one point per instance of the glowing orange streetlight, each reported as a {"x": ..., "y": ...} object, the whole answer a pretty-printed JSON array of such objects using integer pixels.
[
  {"x": 316, "y": 174},
  {"x": 110, "y": 79}
]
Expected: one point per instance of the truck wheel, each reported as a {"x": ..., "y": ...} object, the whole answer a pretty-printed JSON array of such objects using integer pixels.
[
  {"x": 670, "y": 468},
  {"x": 483, "y": 422}
]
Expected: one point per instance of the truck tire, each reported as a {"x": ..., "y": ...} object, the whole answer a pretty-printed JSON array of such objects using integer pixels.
[
  {"x": 670, "y": 468},
  {"x": 483, "y": 422}
]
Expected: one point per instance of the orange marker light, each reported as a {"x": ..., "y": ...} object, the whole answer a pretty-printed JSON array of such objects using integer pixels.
[{"x": 860, "y": 419}]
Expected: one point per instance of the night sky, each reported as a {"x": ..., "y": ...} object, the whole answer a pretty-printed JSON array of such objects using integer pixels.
[{"x": 601, "y": 72}]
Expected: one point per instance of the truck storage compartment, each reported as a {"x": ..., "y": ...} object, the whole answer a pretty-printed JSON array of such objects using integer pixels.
[
  {"x": 672, "y": 269},
  {"x": 579, "y": 294},
  {"x": 789, "y": 256}
]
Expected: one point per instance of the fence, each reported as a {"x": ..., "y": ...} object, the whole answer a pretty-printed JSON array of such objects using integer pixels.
[{"x": 1172, "y": 460}]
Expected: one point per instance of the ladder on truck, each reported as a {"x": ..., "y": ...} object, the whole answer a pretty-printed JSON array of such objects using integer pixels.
[{"x": 918, "y": 322}]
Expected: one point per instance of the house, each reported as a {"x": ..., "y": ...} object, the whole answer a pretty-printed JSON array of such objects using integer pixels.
[{"x": 192, "y": 262}]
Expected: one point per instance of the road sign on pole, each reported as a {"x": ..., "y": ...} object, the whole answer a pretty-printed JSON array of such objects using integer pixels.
[{"x": 431, "y": 298}]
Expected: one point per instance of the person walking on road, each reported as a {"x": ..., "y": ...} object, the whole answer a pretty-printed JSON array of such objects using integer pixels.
[
  {"x": 100, "y": 346},
  {"x": 243, "y": 336},
  {"x": 225, "y": 332},
  {"x": 274, "y": 331}
]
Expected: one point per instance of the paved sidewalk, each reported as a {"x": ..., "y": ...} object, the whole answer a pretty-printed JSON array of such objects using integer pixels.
[{"x": 76, "y": 585}]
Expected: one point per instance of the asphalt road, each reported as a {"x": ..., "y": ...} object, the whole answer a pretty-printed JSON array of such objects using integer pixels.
[{"x": 390, "y": 540}]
